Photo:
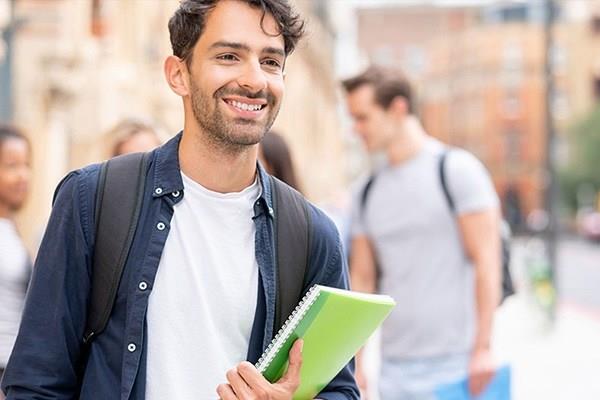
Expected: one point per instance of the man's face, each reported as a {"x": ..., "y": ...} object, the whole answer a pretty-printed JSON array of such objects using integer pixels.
[
  {"x": 371, "y": 121},
  {"x": 236, "y": 75},
  {"x": 14, "y": 173}
]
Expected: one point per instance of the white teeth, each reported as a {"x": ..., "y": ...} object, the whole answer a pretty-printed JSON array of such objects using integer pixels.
[{"x": 244, "y": 106}]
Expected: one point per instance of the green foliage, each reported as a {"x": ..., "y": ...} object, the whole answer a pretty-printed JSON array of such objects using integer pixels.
[{"x": 584, "y": 158}]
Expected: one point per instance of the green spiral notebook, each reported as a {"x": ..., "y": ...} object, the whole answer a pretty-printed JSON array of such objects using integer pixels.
[{"x": 334, "y": 324}]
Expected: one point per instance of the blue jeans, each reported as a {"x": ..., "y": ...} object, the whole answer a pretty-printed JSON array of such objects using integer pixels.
[{"x": 417, "y": 379}]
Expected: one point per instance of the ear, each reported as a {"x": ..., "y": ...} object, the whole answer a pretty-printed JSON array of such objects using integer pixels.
[
  {"x": 399, "y": 106},
  {"x": 176, "y": 74}
]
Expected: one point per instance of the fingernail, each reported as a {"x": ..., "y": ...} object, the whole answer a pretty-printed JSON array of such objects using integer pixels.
[{"x": 301, "y": 345}]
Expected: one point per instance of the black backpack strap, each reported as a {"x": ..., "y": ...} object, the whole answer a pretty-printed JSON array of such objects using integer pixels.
[
  {"x": 118, "y": 204},
  {"x": 292, "y": 240},
  {"x": 443, "y": 180},
  {"x": 361, "y": 214},
  {"x": 507, "y": 282},
  {"x": 365, "y": 193}
]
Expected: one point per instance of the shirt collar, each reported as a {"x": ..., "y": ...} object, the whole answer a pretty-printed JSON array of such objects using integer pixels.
[
  {"x": 167, "y": 174},
  {"x": 266, "y": 196}
]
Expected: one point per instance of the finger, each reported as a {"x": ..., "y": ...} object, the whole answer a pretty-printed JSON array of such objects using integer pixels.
[
  {"x": 292, "y": 376},
  {"x": 225, "y": 392},
  {"x": 252, "y": 377},
  {"x": 238, "y": 384},
  {"x": 479, "y": 381},
  {"x": 474, "y": 385}
]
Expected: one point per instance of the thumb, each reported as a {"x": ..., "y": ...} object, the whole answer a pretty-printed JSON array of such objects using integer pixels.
[{"x": 292, "y": 375}]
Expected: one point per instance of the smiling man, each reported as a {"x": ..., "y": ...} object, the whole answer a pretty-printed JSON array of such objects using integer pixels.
[{"x": 196, "y": 302}]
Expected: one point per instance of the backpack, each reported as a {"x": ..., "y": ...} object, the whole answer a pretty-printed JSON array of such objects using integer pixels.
[
  {"x": 507, "y": 283},
  {"x": 116, "y": 218}
]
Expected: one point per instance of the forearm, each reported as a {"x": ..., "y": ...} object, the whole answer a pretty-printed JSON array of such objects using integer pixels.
[
  {"x": 363, "y": 269},
  {"x": 362, "y": 282},
  {"x": 487, "y": 297}
]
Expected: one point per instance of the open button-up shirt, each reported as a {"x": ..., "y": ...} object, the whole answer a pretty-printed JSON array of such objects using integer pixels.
[{"x": 48, "y": 356}]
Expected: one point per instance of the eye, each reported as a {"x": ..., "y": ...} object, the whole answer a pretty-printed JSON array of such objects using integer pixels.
[
  {"x": 227, "y": 57},
  {"x": 272, "y": 64}
]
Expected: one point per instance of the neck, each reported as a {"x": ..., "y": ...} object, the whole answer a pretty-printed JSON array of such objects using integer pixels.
[
  {"x": 217, "y": 169},
  {"x": 407, "y": 142}
]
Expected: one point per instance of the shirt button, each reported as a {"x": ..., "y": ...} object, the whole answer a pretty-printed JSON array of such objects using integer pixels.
[
  {"x": 175, "y": 193},
  {"x": 131, "y": 347},
  {"x": 143, "y": 285},
  {"x": 160, "y": 226},
  {"x": 158, "y": 190},
  {"x": 271, "y": 211}
]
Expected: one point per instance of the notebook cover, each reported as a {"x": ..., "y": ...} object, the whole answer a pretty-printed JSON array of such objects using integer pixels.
[
  {"x": 497, "y": 389},
  {"x": 334, "y": 328}
]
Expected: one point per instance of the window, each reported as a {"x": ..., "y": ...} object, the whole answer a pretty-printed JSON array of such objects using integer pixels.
[
  {"x": 98, "y": 18},
  {"x": 517, "y": 13},
  {"x": 512, "y": 146}
]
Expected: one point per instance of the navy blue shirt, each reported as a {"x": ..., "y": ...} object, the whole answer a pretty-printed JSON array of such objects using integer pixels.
[{"x": 48, "y": 356}]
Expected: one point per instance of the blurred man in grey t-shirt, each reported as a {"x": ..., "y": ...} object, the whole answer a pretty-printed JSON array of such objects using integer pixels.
[{"x": 442, "y": 266}]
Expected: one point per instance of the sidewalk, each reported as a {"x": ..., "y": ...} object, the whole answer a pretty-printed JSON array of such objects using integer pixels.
[{"x": 549, "y": 363}]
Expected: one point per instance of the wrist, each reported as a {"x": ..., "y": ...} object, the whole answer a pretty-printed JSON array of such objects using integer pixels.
[{"x": 481, "y": 348}]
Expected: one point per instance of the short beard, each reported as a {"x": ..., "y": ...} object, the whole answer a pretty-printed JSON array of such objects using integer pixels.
[{"x": 221, "y": 132}]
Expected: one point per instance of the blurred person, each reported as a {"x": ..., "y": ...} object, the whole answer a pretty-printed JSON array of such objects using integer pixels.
[
  {"x": 276, "y": 157},
  {"x": 132, "y": 136},
  {"x": 441, "y": 265},
  {"x": 198, "y": 291},
  {"x": 15, "y": 266}
]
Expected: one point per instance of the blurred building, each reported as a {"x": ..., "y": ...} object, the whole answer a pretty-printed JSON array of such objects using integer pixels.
[
  {"x": 479, "y": 74},
  {"x": 79, "y": 66}
]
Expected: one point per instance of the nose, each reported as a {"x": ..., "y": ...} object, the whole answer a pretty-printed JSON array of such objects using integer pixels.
[{"x": 253, "y": 77}]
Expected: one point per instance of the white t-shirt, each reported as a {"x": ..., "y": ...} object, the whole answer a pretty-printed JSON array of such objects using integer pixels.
[
  {"x": 202, "y": 306},
  {"x": 14, "y": 273}
]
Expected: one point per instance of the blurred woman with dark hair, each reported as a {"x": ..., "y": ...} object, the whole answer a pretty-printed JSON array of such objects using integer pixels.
[
  {"x": 15, "y": 265},
  {"x": 275, "y": 156}
]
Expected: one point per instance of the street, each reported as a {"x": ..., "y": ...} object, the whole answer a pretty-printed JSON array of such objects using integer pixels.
[
  {"x": 579, "y": 274},
  {"x": 557, "y": 361}
]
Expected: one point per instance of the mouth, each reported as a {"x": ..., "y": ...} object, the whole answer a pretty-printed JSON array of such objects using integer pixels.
[{"x": 245, "y": 107}]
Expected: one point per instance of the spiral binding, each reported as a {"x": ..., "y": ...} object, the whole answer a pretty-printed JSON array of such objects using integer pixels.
[{"x": 286, "y": 330}]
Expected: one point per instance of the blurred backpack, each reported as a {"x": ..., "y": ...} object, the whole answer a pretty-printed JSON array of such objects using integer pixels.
[{"x": 507, "y": 282}]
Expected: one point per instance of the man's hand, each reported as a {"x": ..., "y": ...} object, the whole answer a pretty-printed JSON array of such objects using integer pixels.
[
  {"x": 481, "y": 371},
  {"x": 245, "y": 382}
]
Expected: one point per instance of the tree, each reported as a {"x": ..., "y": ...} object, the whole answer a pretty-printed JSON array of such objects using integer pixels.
[{"x": 583, "y": 167}]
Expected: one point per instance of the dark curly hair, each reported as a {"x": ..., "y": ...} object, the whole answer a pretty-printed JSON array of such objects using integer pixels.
[{"x": 187, "y": 24}]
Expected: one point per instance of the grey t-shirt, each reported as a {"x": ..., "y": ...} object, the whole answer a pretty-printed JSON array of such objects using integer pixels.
[{"x": 416, "y": 240}]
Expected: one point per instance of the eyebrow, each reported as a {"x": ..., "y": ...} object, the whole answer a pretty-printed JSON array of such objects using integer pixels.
[{"x": 245, "y": 47}]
